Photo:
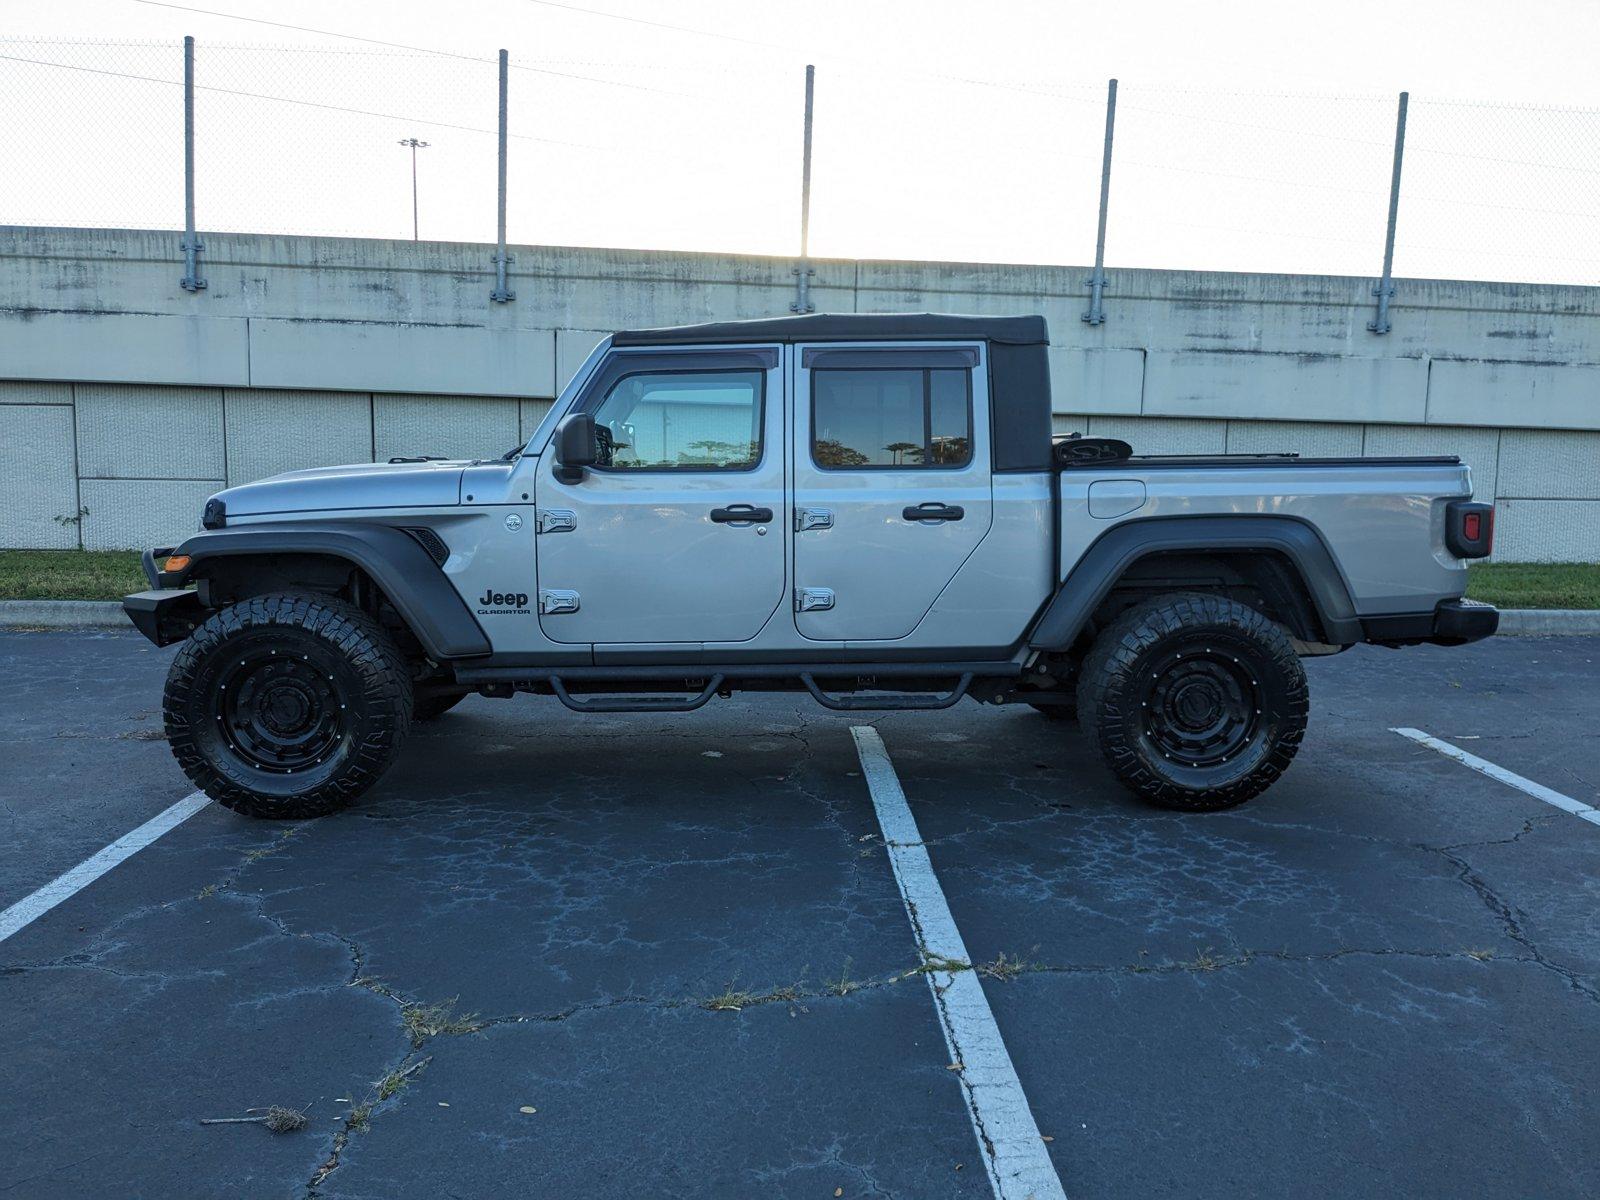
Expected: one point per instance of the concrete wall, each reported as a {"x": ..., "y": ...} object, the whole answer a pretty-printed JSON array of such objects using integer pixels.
[{"x": 122, "y": 394}]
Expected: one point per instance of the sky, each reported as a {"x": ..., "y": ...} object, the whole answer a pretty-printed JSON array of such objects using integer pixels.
[{"x": 1249, "y": 135}]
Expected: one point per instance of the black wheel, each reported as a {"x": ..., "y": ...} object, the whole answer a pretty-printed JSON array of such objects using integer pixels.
[
  {"x": 426, "y": 708},
  {"x": 287, "y": 705},
  {"x": 1194, "y": 701}
]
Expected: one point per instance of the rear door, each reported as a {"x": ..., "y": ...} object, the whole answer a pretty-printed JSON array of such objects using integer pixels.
[
  {"x": 891, "y": 483},
  {"x": 676, "y": 535}
]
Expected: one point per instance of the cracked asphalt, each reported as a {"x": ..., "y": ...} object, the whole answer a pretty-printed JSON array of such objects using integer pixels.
[{"x": 677, "y": 940}]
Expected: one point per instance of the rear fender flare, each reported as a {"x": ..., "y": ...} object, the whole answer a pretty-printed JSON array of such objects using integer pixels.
[
  {"x": 395, "y": 561},
  {"x": 1109, "y": 557}
]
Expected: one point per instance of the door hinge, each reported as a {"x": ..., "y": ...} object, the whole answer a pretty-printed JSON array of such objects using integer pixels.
[
  {"x": 557, "y": 600},
  {"x": 812, "y": 518},
  {"x": 812, "y": 599},
  {"x": 557, "y": 520}
]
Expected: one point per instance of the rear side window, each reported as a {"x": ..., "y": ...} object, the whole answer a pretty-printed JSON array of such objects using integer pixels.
[{"x": 899, "y": 419}]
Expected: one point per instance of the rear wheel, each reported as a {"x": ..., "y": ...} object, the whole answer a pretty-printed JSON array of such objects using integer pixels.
[
  {"x": 287, "y": 705},
  {"x": 1194, "y": 701}
]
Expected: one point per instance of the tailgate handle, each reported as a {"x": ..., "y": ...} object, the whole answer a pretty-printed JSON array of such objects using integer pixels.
[
  {"x": 735, "y": 513},
  {"x": 934, "y": 511}
]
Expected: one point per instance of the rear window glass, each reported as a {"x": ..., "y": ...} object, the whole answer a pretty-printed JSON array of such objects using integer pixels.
[{"x": 897, "y": 419}]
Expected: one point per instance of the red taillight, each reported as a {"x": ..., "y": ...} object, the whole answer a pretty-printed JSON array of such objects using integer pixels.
[{"x": 1469, "y": 529}]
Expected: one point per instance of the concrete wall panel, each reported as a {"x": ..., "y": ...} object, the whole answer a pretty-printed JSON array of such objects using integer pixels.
[
  {"x": 140, "y": 431},
  {"x": 1547, "y": 531},
  {"x": 1538, "y": 464},
  {"x": 272, "y": 431},
  {"x": 1099, "y": 381},
  {"x": 1285, "y": 387},
  {"x": 1064, "y": 423},
  {"x": 1307, "y": 439},
  {"x": 454, "y": 426},
  {"x": 425, "y": 359},
  {"x": 1497, "y": 393},
  {"x": 532, "y": 412},
  {"x": 132, "y": 347},
  {"x": 38, "y": 480},
  {"x": 1187, "y": 361},
  {"x": 132, "y": 514},
  {"x": 1478, "y": 448},
  {"x": 28, "y": 391},
  {"x": 1163, "y": 435},
  {"x": 572, "y": 347}
]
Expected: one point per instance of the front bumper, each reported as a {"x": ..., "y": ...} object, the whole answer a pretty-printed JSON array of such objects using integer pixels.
[
  {"x": 165, "y": 615},
  {"x": 1451, "y": 623}
]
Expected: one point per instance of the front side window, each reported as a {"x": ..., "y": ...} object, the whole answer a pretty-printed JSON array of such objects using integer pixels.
[
  {"x": 891, "y": 418},
  {"x": 681, "y": 421}
]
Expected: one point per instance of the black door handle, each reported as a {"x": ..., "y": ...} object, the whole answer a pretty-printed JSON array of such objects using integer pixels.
[
  {"x": 742, "y": 512},
  {"x": 934, "y": 511}
]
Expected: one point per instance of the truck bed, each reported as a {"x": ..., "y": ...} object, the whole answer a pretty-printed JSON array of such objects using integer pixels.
[{"x": 1382, "y": 519}]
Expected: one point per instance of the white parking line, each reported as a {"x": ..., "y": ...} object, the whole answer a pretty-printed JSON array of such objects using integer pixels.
[
  {"x": 1585, "y": 812},
  {"x": 33, "y": 906},
  {"x": 1014, "y": 1154}
]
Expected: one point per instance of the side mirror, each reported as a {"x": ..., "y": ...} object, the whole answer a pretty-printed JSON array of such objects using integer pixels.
[{"x": 574, "y": 446}]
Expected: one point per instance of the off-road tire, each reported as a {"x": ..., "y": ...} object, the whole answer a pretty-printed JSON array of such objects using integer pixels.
[
  {"x": 292, "y": 658},
  {"x": 428, "y": 708},
  {"x": 1179, "y": 673}
]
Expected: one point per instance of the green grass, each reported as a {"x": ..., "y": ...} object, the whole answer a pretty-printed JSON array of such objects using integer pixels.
[
  {"x": 70, "y": 574},
  {"x": 112, "y": 574},
  {"x": 1535, "y": 585}
]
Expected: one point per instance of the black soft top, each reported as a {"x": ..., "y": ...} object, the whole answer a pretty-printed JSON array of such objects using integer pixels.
[
  {"x": 1019, "y": 364},
  {"x": 848, "y": 327}
]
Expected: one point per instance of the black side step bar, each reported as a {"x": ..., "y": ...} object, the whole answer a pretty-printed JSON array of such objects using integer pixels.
[
  {"x": 820, "y": 670},
  {"x": 635, "y": 704},
  {"x": 885, "y": 702}
]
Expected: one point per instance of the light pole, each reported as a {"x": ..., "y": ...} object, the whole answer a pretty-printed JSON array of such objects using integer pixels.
[{"x": 415, "y": 146}]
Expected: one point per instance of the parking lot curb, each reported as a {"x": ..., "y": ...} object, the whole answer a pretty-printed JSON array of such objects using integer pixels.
[
  {"x": 62, "y": 614},
  {"x": 1536, "y": 622},
  {"x": 108, "y": 614}
]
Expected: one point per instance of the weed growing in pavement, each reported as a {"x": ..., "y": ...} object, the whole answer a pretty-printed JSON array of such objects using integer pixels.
[
  {"x": 423, "y": 1021},
  {"x": 843, "y": 985},
  {"x": 1007, "y": 969}
]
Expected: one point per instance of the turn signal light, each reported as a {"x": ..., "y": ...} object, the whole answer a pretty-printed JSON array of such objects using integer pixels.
[
  {"x": 1472, "y": 526},
  {"x": 176, "y": 563}
]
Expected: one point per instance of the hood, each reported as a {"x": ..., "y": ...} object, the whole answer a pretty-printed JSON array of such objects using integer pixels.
[{"x": 362, "y": 485}]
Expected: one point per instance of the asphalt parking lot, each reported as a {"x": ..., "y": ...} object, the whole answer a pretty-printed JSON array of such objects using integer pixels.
[{"x": 668, "y": 955}]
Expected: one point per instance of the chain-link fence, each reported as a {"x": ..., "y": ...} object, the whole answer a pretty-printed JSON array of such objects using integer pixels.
[{"x": 915, "y": 165}]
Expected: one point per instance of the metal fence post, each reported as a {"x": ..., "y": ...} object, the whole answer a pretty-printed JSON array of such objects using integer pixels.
[
  {"x": 1385, "y": 289},
  {"x": 803, "y": 273},
  {"x": 1097, "y": 282},
  {"x": 191, "y": 244},
  {"x": 501, "y": 293}
]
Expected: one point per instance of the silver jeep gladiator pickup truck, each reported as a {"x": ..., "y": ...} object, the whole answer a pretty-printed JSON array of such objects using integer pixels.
[{"x": 868, "y": 508}]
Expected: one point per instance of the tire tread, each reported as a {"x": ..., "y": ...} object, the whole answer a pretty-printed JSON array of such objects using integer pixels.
[
  {"x": 360, "y": 640},
  {"x": 1106, "y": 676}
]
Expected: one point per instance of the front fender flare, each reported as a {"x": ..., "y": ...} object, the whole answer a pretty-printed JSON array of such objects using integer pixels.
[
  {"x": 395, "y": 561},
  {"x": 1109, "y": 557}
]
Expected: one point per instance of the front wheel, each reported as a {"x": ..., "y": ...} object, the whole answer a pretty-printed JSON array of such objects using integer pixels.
[
  {"x": 287, "y": 705},
  {"x": 1194, "y": 701}
]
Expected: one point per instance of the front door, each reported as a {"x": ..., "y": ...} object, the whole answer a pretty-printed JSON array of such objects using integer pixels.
[
  {"x": 676, "y": 534},
  {"x": 892, "y": 484}
]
